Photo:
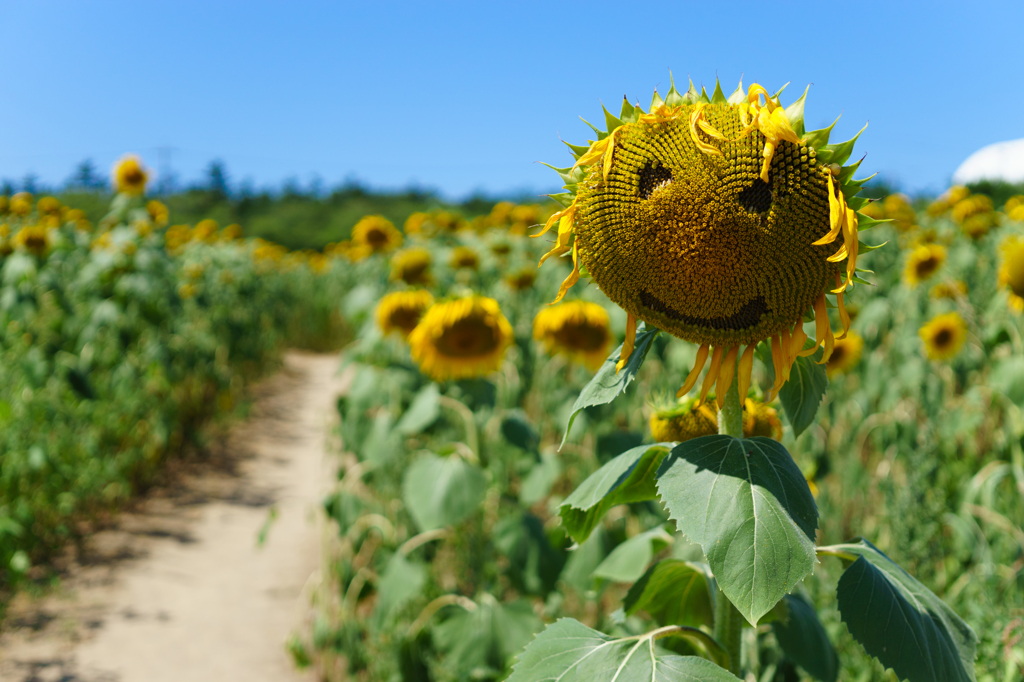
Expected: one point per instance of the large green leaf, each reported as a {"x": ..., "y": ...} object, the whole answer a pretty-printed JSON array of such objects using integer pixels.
[
  {"x": 745, "y": 502},
  {"x": 442, "y": 491},
  {"x": 423, "y": 411},
  {"x": 901, "y": 622},
  {"x": 485, "y": 639},
  {"x": 804, "y": 640},
  {"x": 402, "y": 581},
  {"x": 627, "y": 478},
  {"x": 628, "y": 561},
  {"x": 802, "y": 394},
  {"x": 606, "y": 384},
  {"x": 674, "y": 592},
  {"x": 569, "y": 651}
]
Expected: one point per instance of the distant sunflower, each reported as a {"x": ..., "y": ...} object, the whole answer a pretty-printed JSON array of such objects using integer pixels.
[
  {"x": 374, "y": 234},
  {"x": 461, "y": 339},
  {"x": 464, "y": 257},
  {"x": 715, "y": 219},
  {"x": 1011, "y": 271},
  {"x": 522, "y": 279},
  {"x": 205, "y": 230},
  {"x": 897, "y": 208},
  {"x": 415, "y": 222},
  {"x": 923, "y": 262},
  {"x": 411, "y": 266},
  {"x": 401, "y": 311},
  {"x": 231, "y": 232},
  {"x": 952, "y": 290},
  {"x": 690, "y": 419},
  {"x": 760, "y": 419},
  {"x": 130, "y": 177},
  {"x": 33, "y": 238},
  {"x": 158, "y": 212},
  {"x": 845, "y": 355},
  {"x": 943, "y": 336},
  {"x": 578, "y": 330},
  {"x": 21, "y": 204}
]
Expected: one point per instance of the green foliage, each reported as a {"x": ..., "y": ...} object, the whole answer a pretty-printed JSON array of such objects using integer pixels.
[
  {"x": 674, "y": 592},
  {"x": 442, "y": 491},
  {"x": 804, "y": 640}
]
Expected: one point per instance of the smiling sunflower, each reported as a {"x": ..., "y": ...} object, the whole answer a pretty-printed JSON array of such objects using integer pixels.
[{"x": 719, "y": 220}]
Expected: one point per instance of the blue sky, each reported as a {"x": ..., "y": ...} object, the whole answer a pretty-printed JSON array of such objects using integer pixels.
[{"x": 469, "y": 96}]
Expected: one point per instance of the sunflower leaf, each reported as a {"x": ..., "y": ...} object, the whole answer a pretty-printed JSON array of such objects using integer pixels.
[
  {"x": 802, "y": 394},
  {"x": 569, "y": 650},
  {"x": 804, "y": 640},
  {"x": 442, "y": 491},
  {"x": 901, "y": 622},
  {"x": 626, "y": 478},
  {"x": 746, "y": 503},
  {"x": 607, "y": 384},
  {"x": 674, "y": 592},
  {"x": 628, "y": 562}
]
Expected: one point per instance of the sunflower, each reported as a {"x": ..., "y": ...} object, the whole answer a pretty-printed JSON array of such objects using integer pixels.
[
  {"x": 49, "y": 206},
  {"x": 923, "y": 262},
  {"x": 205, "y": 230},
  {"x": 130, "y": 177},
  {"x": 177, "y": 236},
  {"x": 414, "y": 223},
  {"x": 33, "y": 238},
  {"x": 411, "y": 266},
  {"x": 897, "y": 208},
  {"x": 464, "y": 257},
  {"x": 500, "y": 213},
  {"x": 460, "y": 339},
  {"x": 693, "y": 418},
  {"x": 231, "y": 232},
  {"x": 374, "y": 234},
  {"x": 845, "y": 355},
  {"x": 158, "y": 212},
  {"x": 521, "y": 280},
  {"x": 522, "y": 218},
  {"x": 952, "y": 196},
  {"x": 401, "y": 311},
  {"x": 446, "y": 221},
  {"x": 943, "y": 336},
  {"x": 21, "y": 204},
  {"x": 716, "y": 220},
  {"x": 952, "y": 290},
  {"x": 579, "y": 330},
  {"x": 1011, "y": 270}
]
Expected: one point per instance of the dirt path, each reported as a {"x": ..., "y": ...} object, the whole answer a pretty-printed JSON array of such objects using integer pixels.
[{"x": 180, "y": 590}]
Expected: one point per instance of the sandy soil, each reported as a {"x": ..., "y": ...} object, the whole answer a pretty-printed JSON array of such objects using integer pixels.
[{"x": 180, "y": 589}]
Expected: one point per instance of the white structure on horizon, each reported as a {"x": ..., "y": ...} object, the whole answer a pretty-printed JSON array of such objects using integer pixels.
[{"x": 999, "y": 161}]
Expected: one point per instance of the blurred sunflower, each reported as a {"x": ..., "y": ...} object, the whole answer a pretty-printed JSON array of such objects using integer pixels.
[
  {"x": 464, "y": 257},
  {"x": 578, "y": 329},
  {"x": 231, "y": 232},
  {"x": 845, "y": 355},
  {"x": 77, "y": 216},
  {"x": 1014, "y": 207},
  {"x": 952, "y": 290},
  {"x": 446, "y": 221},
  {"x": 21, "y": 204},
  {"x": 500, "y": 247},
  {"x": 130, "y": 177},
  {"x": 461, "y": 339},
  {"x": 33, "y": 238},
  {"x": 205, "y": 230},
  {"x": 943, "y": 336},
  {"x": 414, "y": 223},
  {"x": 411, "y": 266},
  {"x": 1011, "y": 270},
  {"x": 686, "y": 421},
  {"x": 49, "y": 207},
  {"x": 951, "y": 197},
  {"x": 522, "y": 279},
  {"x": 374, "y": 234},
  {"x": 923, "y": 262},
  {"x": 760, "y": 419},
  {"x": 177, "y": 236},
  {"x": 897, "y": 208},
  {"x": 158, "y": 212},
  {"x": 401, "y": 311},
  {"x": 716, "y": 220},
  {"x": 500, "y": 213},
  {"x": 522, "y": 218}
]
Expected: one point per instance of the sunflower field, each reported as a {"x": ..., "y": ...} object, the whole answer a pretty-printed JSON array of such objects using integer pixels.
[{"x": 743, "y": 422}]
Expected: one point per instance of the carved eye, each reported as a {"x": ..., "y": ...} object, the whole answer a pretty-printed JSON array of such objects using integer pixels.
[{"x": 652, "y": 176}]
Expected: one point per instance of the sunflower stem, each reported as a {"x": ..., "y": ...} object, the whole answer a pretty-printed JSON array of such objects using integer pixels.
[{"x": 728, "y": 620}]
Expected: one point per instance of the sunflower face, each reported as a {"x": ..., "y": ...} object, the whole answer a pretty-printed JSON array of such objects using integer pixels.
[
  {"x": 464, "y": 257},
  {"x": 579, "y": 330},
  {"x": 374, "y": 234},
  {"x": 33, "y": 239},
  {"x": 401, "y": 311},
  {"x": 1011, "y": 271},
  {"x": 411, "y": 266},
  {"x": 761, "y": 420},
  {"x": 461, "y": 339},
  {"x": 684, "y": 422},
  {"x": 923, "y": 262},
  {"x": 943, "y": 336},
  {"x": 845, "y": 355},
  {"x": 129, "y": 175},
  {"x": 521, "y": 280},
  {"x": 698, "y": 244}
]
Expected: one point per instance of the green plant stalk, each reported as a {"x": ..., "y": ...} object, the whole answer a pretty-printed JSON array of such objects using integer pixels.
[{"x": 728, "y": 620}]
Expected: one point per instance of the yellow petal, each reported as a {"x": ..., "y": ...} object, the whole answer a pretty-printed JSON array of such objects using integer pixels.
[
  {"x": 725, "y": 375},
  {"x": 698, "y": 365},
  {"x": 627, "y": 343},
  {"x": 712, "y": 375},
  {"x": 573, "y": 277},
  {"x": 744, "y": 370},
  {"x": 835, "y": 215}
]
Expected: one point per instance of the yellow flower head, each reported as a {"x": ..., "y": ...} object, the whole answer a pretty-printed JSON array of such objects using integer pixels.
[
  {"x": 411, "y": 266},
  {"x": 446, "y": 221},
  {"x": 522, "y": 218},
  {"x": 130, "y": 177},
  {"x": 143, "y": 228},
  {"x": 401, "y": 311},
  {"x": 950, "y": 198},
  {"x": 578, "y": 329},
  {"x": 177, "y": 236},
  {"x": 33, "y": 238},
  {"x": 158, "y": 212},
  {"x": 375, "y": 234},
  {"x": 846, "y": 354},
  {"x": 951, "y": 290},
  {"x": 415, "y": 222},
  {"x": 501, "y": 247},
  {"x": 231, "y": 232},
  {"x": 521, "y": 280},
  {"x": 205, "y": 230},
  {"x": 943, "y": 336},
  {"x": 1011, "y": 270},
  {"x": 718, "y": 220},
  {"x": 923, "y": 262},
  {"x": 760, "y": 419},
  {"x": 898, "y": 209},
  {"x": 461, "y": 339},
  {"x": 684, "y": 422},
  {"x": 975, "y": 215},
  {"x": 500, "y": 213},
  {"x": 77, "y": 217},
  {"x": 1014, "y": 202},
  {"x": 21, "y": 204},
  {"x": 49, "y": 206},
  {"x": 464, "y": 257}
]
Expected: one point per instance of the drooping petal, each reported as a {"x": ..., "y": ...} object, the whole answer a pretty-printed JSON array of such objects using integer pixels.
[
  {"x": 725, "y": 375},
  {"x": 777, "y": 363},
  {"x": 823, "y": 330},
  {"x": 712, "y": 375},
  {"x": 836, "y": 210},
  {"x": 698, "y": 365},
  {"x": 627, "y": 343},
  {"x": 844, "y": 316},
  {"x": 745, "y": 369},
  {"x": 573, "y": 277},
  {"x": 797, "y": 343}
]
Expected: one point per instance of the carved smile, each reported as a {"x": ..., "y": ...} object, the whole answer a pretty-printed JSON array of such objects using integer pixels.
[{"x": 746, "y": 317}]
